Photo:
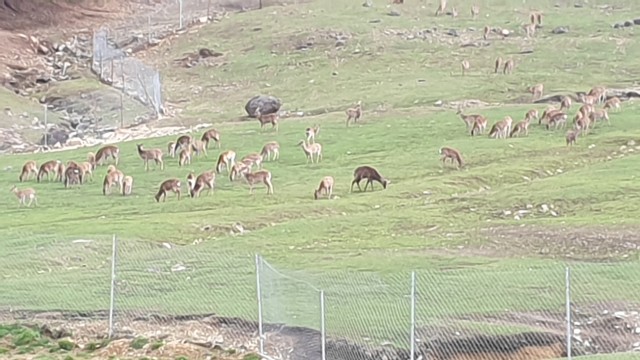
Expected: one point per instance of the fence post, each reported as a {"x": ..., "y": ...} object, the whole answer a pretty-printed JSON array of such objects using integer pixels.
[
  {"x": 323, "y": 334},
  {"x": 259, "y": 293},
  {"x": 413, "y": 315},
  {"x": 180, "y": 3},
  {"x": 46, "y": 126},
  {"x": 568, "y": 302},
  {"x": 114, "y": 255}
]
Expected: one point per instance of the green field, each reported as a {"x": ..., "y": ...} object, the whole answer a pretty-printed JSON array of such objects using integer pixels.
[{"x": 455, "y": 228}]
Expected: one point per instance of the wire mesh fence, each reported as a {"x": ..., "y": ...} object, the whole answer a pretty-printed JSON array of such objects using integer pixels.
[{"x": 125, "y": 287}]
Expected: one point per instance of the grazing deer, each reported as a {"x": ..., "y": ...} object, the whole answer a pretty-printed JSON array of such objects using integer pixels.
[
  {"x": 310, "y": 150},
  {"x": 536, "y": 91},
  {"x": 84, "y": 170},
  {"x": 267, "y": 119},
  {"x": 325, "y": 187},
  {"x": 253, "y": 159},
  {"x": 354, "y": 113},
  {"x": 199, "y": 147},
  {"x": 468, "y": 119},
  {"x": 30, "y": 167},
  {"x": 105, "y": 153},
  {"x": 185, "y": 157},
  {"x": 529, "y": 30},
  {"x": 205, "y": 180},
  {"x": 113, "y": 177},
  {"x": 547, "y": 114},
  {"x": 312, "y": 132},
  {"x": 465, "y": 66},
  {"x": 170, "y": 146},
  {"x": 211, "y": 134},
  {"x": 151, "y": 154},
  {"x": 24, "y": 194},
  {"x": 183, "y": 142},
  {"x": 599, "y": 93},
  {"x": 599, "y": 115},
  {"x": 239, "y": 169},
  {"x": 501, "y": 129},
  {"x": 127, "y": 186},
  {"x": 521, "y": 127},
  {"x": 72, "y": 176},
  {"x": 261, "y": 176},
  {"x": 475, "y": 11},
  {"x": 170, "y": 185},
  {"x": 269, "y": 149},
  {"x": 582, "y": 124},
  {"x": 565, "y": 103},
  {"x": 48, "y": 168},
  {"x": 508, "y": 67},
  {"x": 369, "y": 173},
  {"x": 556, "y": 120},
  {"x": 479, "y": 125},
  {"x": 441, "y": 8},
  {"x": 572, "y": 137},
  {"x": 588, "y": 99},
  {"x": 613, "y": 103},
  {"x": 531, "y": 115},
  {"x": 498, "y": 65},
  {"x": 228, "y": 159},
  {"x": 451, "y": 154}
]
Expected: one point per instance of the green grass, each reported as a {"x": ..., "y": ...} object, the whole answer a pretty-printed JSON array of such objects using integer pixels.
[{"x": 359, "y": 248}]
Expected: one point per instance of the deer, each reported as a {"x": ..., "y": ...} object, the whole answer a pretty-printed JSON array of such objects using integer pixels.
[
  {"x": 105, "y": 153},
  {"x": 151, "y": 154},
  {"x": 24, "y": 194},
  {"x": 468, "y": 119},
  {"x": 508, "y": 67},
  {"x": 261, "y": 176},
  {"x": 354, "y": 113},
  {"x": 312, "y": 132},
  {"x": 72, "y": 176},
  {"x": 169, "y": 185},
  {"x": 599, "y": 115},
  {"x": 465, "y": 66},
  {"x": 501, "y": 129},
  {"x": 536, "y": 91},
  {"x": 253, "y": 159},
  {"x": 265, "y": 119},
  {"x": 310, "y": 150},
  {"x": 498, "y": 63},
  {"x": 170, "y": 146},
  {"x": 199, "y": 147},
  {"x": 599, "y": 93},
  {"x": 228, "y": 159},
  {"x": 588, "y": 99},
  {"x": 60, "y": 172},
  {"x": 325, "y": 187},
  {"x": 84, "y": 170},
  {"x": 48, "y": 168},
  {"x": 29, "y": 168},
  {"x": 547, "y": 114},
  {"x": 113, "y": 177},
  {"x": 451, "y": 154},
  {"x": 206, "y": 179},
  {"x": 185, "y": 157},
  {"x": 556, "y": 120},
  {"x": 535, "y": 18},
  {"x": 475, "y": 11},
  {"x": 269, "y": 149},
  {"x": 441, "y": 8},
  {"x": 183, "y": 142},
  {"x": 529, "y": 30},
  {"x": 613, "y": 103},
  {"x": 211, "y": 134},
  {"x": 369, "y": 173},
  {"x": 531, "y": 115},
  {"x": 127, "y": 185},
  {"x": 572, "y": 137},
  {"x": 479, "y": 125},
  {"x": 239, "y": 169},
  {"x": 521, "y": 127},
  {"x": 454, "y": 12},
  {"x": 565, "y": 103},
  {"x": 586, "y": 110},
  {"x": 582, "y": 124}
]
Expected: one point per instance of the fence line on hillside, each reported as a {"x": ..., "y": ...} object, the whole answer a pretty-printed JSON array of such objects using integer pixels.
[{"x": 335, "y": 314}]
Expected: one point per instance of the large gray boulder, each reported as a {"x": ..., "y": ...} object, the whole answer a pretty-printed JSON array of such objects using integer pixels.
[{"x": 267, "y": 104}]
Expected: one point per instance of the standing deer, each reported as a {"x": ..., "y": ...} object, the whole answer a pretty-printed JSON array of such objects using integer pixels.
[
  {"x": 572, "y": 137},
  {"x": 599, "y": 93},
  {"x": 261, "y": 176},
  {"x": 354, "y": 113},
  {"x": 226, "y": 159},
  {"x": 468, "y": 119},
  {"x": 24, "y": 194},
  {"x": 599, "y": 115},
  {"x": 113, "y": 177},
  {"x": 72, "y": 176},
  {"x": 588, "y": 99},
  {"x": 451, "y": 154},
  {"x": 325, "y": 187},
  {"x": 310, "y": 150},
  {"x": 127, "y": 186},
  {"x": 312, "y": 132},
  {"x": 183, "y": 142},
  {"x": 369, "y": 173},
  {"x": 613, "y": 103},
  {"x": 48, "y": 168},
  {"x": 267, "y": 119},
  {"x": 529, "y": 30},
  {"x": 269, "y": 149},
  {"x": 185, "y": 157},
  {"x": 170, "y": 146},
  {"x": 199, "y": 147},
  {"x": 498, "y": 65},
  {"x": 508, "y": 67},
  {"x": 169, "y": 185},
  {"x": 565, "y": 103},
  {"x": 211, "y": 134},
  {"x": 536, "y": 91},
  {"x": 151, "y": 154},
  {"x": 29, "y": 168},
  {"x": 465, "y": 66}
]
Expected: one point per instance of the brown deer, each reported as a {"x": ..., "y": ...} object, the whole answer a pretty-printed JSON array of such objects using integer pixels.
[
  {"x": 531, "y": 115},
  {"x": 572, "y": 137},
  {"x": 211, "y": 134},
  {"x": 547, "y": 114},
  {"x": 501, "y": 129},
  {"x": 113, "y": 177},
  {"x": 169, "y": 185},
  {"x": 354, "y": 113},
  {"x": 312, "y": 132},
  {"x": 261, "y": 176},
  {"x": 599, "y": 115},
  {"x": 556, "y": 120},
  {"x": 536, "y": 91},
  {"x": 185, "y": 157},
  {"x": 475, "y": 11},
  {"x": 72, "y": 176},
  {"x": 599, "y": 93},
  {"x": 582, "y": 124},
  {"x": 588, "y": 99},
  {"x": 105, "y": 153},
  {"x": 239, "y": 169},
  {"x": 205, "y": 180},
  {"x": 529, "y": 30},
  {"x": 253, "y": 159},
  {"x": 127, "y": 186},
  {"x": 24, "y": 194},
  {"x": 508, "y": 67},
  {"x": 565, "y": 103},
  {"x": 325, "y": 187},
  {"x": 310, "y": 150},
  {"x": 170, "y": 146},
  {"x": 183, "y": 142},
  {"x": 29, "y": 168},
  {"x": 149, "y": 155},
  {"x": 84, "y": 170},
  {"x": 465, "y": 66},
  {"x": 269, "y": 149},
  {"x": 48, "y": 168},
  {"x": 199, "y": 147},
  {"x": 468, "y": 119},
  {"x": 60, "y": 172},
  {"x": 520, "y": 128},
  {"x": 451, "y": 154},
  {"x": 369, "y": 173},
  {"x": 265, "y": 119},
  {"x": 498, "y": 65},
  {"x": 226, "y": 159},
  {"x": 613, "y": 103},
  {"x": 586, "y": 110},
  {"x": 441, "y": 8},
  {"x": 479, "y": 125}
]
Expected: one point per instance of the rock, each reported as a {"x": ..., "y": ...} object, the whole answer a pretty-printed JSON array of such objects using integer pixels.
[
  {"x": 367, "y": 3},
  {"x": 55, "y": 136},
  {"x": 560, "y": 30},
  {"x": 628, "y": 23},
  {"x": 631, "y": 143},
  {"x": 453, "y": 32},
  {"x": 618, "y": 26},
  {"x": 636, "y": 21},
  {"x": 267, "y": 104},
  {"x": 393, "y": 13},
  {"x": 340, "y": 43},
  {"x": 544, "y": 208}
]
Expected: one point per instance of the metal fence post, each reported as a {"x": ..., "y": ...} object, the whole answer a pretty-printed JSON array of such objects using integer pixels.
[
  {"x": 323, "y": 334},
  {"x": 114, "y": 255},
  {"x": 180, "y": 3},
  {"x": 46, "y": 125},
  {"x": 259, "y": 293},
  {"x": 568, "y": 301},
  {"x": 413, "y": 315}
]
